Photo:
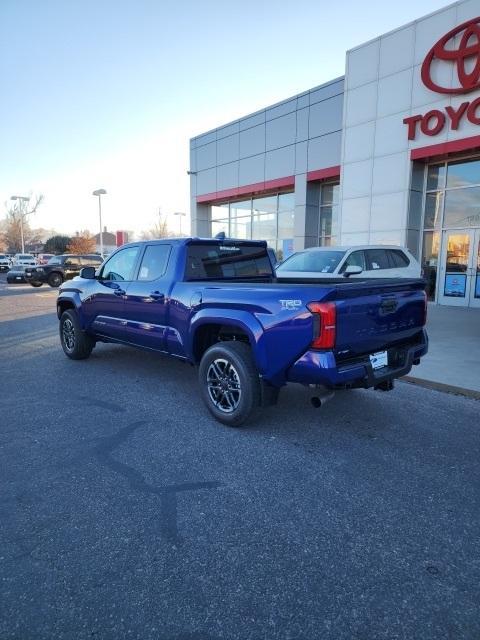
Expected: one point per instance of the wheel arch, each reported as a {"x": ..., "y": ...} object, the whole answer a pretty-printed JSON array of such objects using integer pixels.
[{"x": 207, "y": 330}]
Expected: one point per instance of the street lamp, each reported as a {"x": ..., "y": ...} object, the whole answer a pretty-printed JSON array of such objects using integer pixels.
[
  {"x": 100, "y": 193},
  {"x": 180, "y": 214},
  {"x": 21, "y": 200}
]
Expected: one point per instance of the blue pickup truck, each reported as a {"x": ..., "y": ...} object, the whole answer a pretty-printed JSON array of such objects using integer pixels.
[{"x": 216, "y": 304}]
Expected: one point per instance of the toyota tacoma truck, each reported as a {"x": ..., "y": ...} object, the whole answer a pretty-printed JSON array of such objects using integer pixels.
[{"x": 217, "y": 304}]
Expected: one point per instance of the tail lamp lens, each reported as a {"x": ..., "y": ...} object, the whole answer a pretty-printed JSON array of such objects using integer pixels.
[
  {"x": 425, "y": 310},
  {"x": 325, "y": 324}
]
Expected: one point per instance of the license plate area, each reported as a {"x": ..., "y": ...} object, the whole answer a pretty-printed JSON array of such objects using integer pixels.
[{"x": 379, "y": 360}]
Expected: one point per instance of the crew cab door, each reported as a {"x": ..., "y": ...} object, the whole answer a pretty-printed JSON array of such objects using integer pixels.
[
  {"x": 105, "y": 307},
  {"x": 146, "y": 300}
]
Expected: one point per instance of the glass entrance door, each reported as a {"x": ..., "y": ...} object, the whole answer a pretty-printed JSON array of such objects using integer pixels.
[{"x": 460, "y": 269}]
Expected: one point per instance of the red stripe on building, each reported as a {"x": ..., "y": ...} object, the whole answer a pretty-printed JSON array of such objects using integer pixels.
[
  {"x": 248, "y": 190},
  {"x": 324, "y": 174},
  {"x": 268, "y": 186},
  {"x": 445, "y": 148}
]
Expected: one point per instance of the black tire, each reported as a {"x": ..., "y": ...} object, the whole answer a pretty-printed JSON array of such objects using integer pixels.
[
  {"x": 55, "y": 279},
  {"x": 36, "y": 284},
  {"x": 229, "y": 382},
  {"x": 76, "y": 344}
]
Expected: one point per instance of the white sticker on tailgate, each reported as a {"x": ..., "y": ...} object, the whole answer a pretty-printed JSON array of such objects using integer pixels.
[{"x": 379, "y": 359}]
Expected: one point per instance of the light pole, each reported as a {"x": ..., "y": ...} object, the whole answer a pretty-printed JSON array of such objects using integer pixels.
[
  {"x": 21, "y": 200},
  {"x": 100, "y": 193},
  {"x": 181, "y": 215}
]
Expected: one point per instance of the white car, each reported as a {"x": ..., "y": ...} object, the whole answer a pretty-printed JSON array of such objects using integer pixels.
[
  {"x": 24, "y": 259},
  {"x": 4, "y": 262},
  {"x": 369, "y": 261}
]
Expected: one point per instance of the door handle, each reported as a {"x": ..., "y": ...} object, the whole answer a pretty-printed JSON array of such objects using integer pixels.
[
  {"x": 119, "y": 292},
  {"x": 156, "y": 295}
]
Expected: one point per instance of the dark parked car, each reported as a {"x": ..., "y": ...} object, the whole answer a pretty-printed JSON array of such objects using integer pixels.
[
  {"x": 16, "y": 275},
  {"x": 60, "y": 268}
]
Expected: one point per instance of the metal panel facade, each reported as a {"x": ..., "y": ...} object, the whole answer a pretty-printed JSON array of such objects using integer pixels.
[{"x": 399, "y": 105}]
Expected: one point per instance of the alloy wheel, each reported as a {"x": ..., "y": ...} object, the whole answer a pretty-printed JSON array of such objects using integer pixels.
[{"x": 223, "y": 384}]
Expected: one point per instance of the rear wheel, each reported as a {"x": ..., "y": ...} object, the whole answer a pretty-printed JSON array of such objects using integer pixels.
[
  {"x": 76, "y": 344},
  {"x": 55, "y": 279},
  {"x": 36, "y": 284},
  {"x": 229, "y": 382}
]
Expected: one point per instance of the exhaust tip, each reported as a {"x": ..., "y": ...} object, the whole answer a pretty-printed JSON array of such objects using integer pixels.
[{"x": 316, "y": 402}]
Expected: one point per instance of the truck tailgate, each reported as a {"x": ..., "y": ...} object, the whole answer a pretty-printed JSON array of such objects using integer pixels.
[{"x": 373, "y": 316}]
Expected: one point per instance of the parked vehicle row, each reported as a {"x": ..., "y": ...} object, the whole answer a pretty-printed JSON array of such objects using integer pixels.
[
  {"x": 50, "y": 269},
  {"x": 60, "y": 268}
]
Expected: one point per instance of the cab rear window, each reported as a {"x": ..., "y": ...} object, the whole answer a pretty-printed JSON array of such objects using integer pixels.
[{"x": 227, "y": 261}]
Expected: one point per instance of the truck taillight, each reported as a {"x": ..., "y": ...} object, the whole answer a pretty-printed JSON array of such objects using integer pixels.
[{"x": 325, "y": 324}]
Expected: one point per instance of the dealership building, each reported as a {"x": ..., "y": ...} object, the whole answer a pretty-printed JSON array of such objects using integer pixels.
[{"x": 387, "y": 154}]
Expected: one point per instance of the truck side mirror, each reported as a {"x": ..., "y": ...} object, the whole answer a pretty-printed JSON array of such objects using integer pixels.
[
  {"x": 88, "y": 273},
  {"x": 352, "y": 270}
]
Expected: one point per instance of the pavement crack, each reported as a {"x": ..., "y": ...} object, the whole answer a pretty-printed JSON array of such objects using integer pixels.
[{"x": 167, "y": 494}]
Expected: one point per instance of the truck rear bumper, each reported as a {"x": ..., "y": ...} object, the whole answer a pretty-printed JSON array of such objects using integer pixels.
[{"x": 317, "y": 367}]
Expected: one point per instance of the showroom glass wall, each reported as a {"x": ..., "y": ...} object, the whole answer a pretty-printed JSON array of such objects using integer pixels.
[
  {"x": 269, "y": 218},
  {"x": 452, "y": 202}
]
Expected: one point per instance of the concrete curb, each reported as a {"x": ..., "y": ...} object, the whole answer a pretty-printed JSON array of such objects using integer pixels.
[{"x": 440, "y": 386}]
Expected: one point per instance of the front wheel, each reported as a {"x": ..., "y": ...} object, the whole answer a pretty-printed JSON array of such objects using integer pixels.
[
  {"x": 36, "y": 284},
  {"x": 76, "y": 344},
  {"x": 229, "y": 382},
  {"x": 55, "y": 279}
]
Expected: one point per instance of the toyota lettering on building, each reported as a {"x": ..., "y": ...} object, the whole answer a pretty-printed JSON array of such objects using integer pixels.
[
  {"x": 387, "y": 154},
  {"x": 463, "y": 60}
]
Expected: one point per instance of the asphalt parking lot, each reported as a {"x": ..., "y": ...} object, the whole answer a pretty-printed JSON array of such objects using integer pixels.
[{"x": 127, "y": 512}]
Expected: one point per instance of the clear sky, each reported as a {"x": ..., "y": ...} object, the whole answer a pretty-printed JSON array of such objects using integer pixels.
[{"x": 107, "y": 93}]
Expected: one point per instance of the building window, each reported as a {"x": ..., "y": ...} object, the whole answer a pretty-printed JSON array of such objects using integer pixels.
[
  {"x": 452, "y": 201},
  {"x": 328, "y": 213},
  {"x": 219, "y": 218},
  {"x": 269, "y": 218}
]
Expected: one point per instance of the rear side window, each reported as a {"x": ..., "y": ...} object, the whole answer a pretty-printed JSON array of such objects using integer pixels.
[
  {"x": 227, "y": 261},
  {"x": 72, "y": 262},
  {"x": 91, "y": 261},
  {"x": 355, "y": 259},
  {"x": 154, "y": 261},
  {"x": 378, "y": 259},
  {"x": 398, "y": 259}
]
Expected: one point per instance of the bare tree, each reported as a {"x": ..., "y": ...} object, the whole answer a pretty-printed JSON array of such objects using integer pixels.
[
  {"x": 15, "y": 221},
  {"x": 159, "y": 230}
]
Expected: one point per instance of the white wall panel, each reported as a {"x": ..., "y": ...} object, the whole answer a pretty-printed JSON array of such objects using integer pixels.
[
  {"x": 363, "y": 64},
  {"x": 391, "y": 134},
  {"x": 388, "y": 211},
  {"x": 467, "y": 11},
  {"x": 359, "y": 142},
  {"x": 361, "y": 104},
  {"x": 393, "y": 236},
  {"x": 430, "y": 29},
  {"x": 390, "y": 173},
  {"x": 355, "y": 214},
  {"x": 354, "y": 239},
  {"x": 394, "y": 93},
  {"x": 357, "y": 179},
  {"x": 396, "y": 51}
]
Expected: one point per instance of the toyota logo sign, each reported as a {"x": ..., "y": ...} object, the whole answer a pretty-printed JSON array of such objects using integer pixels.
[{"x": 465, "y": 57}]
